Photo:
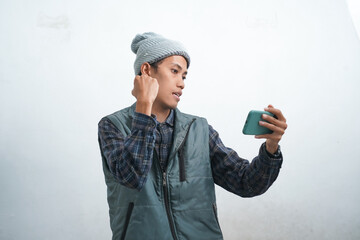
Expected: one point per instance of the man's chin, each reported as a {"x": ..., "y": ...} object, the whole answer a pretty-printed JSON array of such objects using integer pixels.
[{"x": 173, "y": 106}]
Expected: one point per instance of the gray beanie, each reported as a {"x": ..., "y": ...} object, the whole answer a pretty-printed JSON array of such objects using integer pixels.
[{"x": 151, "y": 47}]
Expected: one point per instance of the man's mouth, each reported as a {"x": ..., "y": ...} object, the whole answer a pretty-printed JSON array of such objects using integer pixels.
[{"x": 177, "y": 95}]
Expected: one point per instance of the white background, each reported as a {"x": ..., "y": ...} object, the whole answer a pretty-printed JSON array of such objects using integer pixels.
[{"x": 65, "y": 64}]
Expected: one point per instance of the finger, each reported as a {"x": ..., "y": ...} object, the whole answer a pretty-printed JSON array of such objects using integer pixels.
[
  {"x": 137, "y": 78},
  {"x": 147, "y": 78},
  {"x": 144, "y": 73},
  {"x": 276, "y": 112},
  {"x": 272, "y": 127},
  {"x": 274, "y": 121},
  {"x": 275, "y": 137},
  {"x": 267, "y": 136}
]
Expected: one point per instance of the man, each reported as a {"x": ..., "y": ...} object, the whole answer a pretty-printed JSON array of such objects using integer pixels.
[{"x": 160, "y": 165}]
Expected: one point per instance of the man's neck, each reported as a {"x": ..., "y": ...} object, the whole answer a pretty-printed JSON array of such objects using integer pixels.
[{"x": 161, "y": 115}]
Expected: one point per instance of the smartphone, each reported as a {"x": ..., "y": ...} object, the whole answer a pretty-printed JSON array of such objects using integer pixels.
[{"x": 252, "y": 126}]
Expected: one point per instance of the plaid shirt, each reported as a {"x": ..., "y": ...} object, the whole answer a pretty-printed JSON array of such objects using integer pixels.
[{"x": 130, "y": 158}]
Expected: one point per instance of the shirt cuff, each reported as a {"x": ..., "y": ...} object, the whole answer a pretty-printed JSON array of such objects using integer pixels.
[
  {"x": 144, "y": 122},
  {"x": 272, "y": 160}
]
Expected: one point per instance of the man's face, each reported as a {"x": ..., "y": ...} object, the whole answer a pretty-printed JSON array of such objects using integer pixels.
[{"x": 170, "y": 73}]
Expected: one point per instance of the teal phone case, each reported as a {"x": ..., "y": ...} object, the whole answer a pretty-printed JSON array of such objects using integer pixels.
[{"x": 252, "y": 126}]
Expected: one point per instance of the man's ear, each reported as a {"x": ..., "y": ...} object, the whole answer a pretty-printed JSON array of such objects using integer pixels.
[{"x": 145, "y": 69}]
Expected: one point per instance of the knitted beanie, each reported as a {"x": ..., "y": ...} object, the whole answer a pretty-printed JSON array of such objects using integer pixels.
[{"x": 151, "y": 47}]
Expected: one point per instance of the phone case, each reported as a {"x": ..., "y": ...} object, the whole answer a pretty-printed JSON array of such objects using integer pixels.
[{"x": 252, "y": 126}]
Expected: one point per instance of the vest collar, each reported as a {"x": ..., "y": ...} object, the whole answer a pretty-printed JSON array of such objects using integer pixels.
[
  {"x": 182, "y": 122},
  {"x": 132, "y": 110}
]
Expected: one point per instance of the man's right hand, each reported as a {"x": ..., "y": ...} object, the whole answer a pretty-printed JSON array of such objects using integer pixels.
[{"x": 145, "y": 91}]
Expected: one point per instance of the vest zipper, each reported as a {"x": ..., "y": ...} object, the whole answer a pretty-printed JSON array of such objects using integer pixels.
[
  {"x": 166, "y": 192},
  {"x": 166, "y": 199},
  {"x": 167, "y": 207}
]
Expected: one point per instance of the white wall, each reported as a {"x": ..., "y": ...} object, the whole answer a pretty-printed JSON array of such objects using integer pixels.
[{"x": 65, "y": 64}]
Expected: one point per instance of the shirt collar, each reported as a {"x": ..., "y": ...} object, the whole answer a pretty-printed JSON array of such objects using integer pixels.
[{"x": 170, "y": 119}]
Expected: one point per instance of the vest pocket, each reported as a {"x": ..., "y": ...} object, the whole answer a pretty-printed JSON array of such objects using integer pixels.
[
  {"x": 127, "y": 219},
  {"x": 182, "y": 165}
]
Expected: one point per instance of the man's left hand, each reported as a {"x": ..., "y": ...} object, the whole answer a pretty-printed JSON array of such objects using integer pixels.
[{"x": 277, "y": 125}]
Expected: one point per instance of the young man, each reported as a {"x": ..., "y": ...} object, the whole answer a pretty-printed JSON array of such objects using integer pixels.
[{"x": 160, "y": 164}]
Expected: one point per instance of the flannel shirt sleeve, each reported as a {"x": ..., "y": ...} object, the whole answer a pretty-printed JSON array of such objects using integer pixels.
[
  {"x": 129, "y": 158},
  {"x": 238, "y": 175}
]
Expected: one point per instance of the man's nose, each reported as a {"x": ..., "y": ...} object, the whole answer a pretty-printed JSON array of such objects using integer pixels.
[{"x": 181, "y": 83}]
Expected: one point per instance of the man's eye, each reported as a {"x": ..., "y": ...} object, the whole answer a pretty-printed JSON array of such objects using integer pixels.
[{"x": 174, "y": 71}]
